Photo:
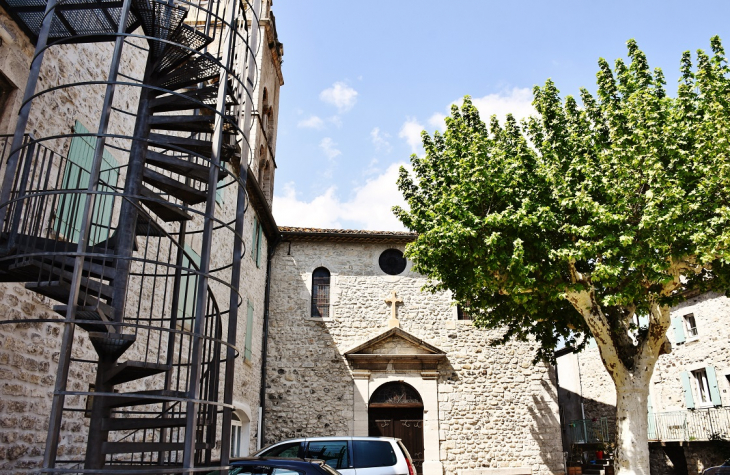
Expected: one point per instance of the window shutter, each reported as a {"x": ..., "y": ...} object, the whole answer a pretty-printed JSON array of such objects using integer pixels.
[
  {"x": 712, "y": 382},
  {"x": 258, "y": 245},
  {"x": 678, "y": 324},
  {"x": 687, "y": 390},
  {"x": 249, "y": 331},
  {"x": 651, "y": 432},
  {"x": 254, "y": 238}
]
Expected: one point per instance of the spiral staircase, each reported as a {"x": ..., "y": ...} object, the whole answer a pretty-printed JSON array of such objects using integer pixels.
[{"x": 159, "y": 320}]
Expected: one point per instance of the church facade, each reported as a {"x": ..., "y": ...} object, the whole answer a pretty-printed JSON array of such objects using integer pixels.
[{"x": 355, "y": 347}]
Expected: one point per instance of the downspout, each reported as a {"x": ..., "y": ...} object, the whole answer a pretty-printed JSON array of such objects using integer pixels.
[{"x": 264, "y": 344}]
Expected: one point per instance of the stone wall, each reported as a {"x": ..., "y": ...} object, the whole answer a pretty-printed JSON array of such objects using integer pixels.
[{"x": 495, "y": 409}]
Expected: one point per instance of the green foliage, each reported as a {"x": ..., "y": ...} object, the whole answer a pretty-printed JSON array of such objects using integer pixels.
[{"x": 624, "y": 187}]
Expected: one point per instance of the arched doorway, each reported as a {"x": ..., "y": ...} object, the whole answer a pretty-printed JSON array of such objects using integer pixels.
[{"x": 396, "y": 410}]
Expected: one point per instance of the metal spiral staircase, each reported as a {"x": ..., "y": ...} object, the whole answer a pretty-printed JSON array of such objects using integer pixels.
[{"x": 116, "y": 246}]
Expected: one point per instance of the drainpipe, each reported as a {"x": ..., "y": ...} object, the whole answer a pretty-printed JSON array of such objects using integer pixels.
[{"x": 264, "y": 344}]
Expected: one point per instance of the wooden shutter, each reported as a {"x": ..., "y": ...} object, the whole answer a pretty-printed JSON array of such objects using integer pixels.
[
  {"x": 258, "y": 245},
  {"x": 678, "y": 325},
  {"x": 687, "y": 387},
  {"x": 76, "y": 177},
  {"x": 712, "y": 382},
  {"x": 651, "y": 429},
  {"x": 188, "y": 289},
  {"x": 254, "y": 240},
  {"x": 249, "y": 335}
]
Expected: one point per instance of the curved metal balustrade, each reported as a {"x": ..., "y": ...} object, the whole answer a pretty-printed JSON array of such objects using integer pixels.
[{"x": 131, "y": 227}]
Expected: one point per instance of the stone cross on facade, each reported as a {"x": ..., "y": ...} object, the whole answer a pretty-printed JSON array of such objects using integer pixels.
[{"x": 393, "y": 300}]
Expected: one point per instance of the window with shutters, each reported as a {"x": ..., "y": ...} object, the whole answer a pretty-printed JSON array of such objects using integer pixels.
[
  {"x": 690, "y": 325},
  {"x": 321, "y": 293},
  {"x": 461, "y": 314}
]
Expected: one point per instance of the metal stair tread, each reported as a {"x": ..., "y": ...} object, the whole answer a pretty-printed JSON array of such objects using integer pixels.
[
  {"x": 189, "y": 123},
  {"x": 185, "y": 193},
  {"x": 196, "y": 70},
  {"x": 158, "y": 205},
  {"x": 140, "y": 398},
  {"x": 111, "y": 345},
  {"x": 141, "y": 447},
  {"x": 181, "y": 166},
  {"x": 190, "y": 100},
  {"x": 135, "y": 423},
  {"x": 59, "y": 290},
  {"x": 96, "y": 312},
  {"x": 174, "y": 143},
  {"x": 58, "y": 265},
  {"x": 134, "y": 370}
]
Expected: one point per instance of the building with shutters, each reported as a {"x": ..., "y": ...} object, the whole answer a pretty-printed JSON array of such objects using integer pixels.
[{"x": 689, "y": 397}]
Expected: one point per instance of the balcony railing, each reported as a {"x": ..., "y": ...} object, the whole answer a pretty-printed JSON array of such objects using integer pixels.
[
  {"x": 697, "y": 424},
  {"x": 590, "y": 431}
]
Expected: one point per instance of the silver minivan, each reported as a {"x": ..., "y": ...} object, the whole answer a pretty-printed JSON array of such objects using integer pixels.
[{"x": 349, "y": 455}]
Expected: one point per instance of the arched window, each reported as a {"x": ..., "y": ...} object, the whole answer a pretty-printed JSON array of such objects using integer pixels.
[{"x": 321, "y": 293}]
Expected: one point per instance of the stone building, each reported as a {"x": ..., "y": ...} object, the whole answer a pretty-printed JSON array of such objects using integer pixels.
[
  {"x": 689, "y": 396},
  {"x": 356, "y": 348},
  {"x": 166, "y": 259}
]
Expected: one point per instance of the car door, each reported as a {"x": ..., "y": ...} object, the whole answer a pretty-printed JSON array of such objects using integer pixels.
[{"x": 336, "y": 453}]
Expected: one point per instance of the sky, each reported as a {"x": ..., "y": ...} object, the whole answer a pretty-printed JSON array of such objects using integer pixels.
[{"x": 363, "y": 79}]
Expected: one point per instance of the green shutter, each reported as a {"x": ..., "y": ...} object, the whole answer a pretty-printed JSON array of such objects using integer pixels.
[
  {"x": 678, "y": 325},
  {"x": 188, "y": 289},
  {"x": 254, "y": 238},
  {"x": 258, "y": 245},
  {"x": 651, "y": 429},
  {"x": 687, "y": 387},
  {"x": 76, "y": 177},
  {"x": 712, "y": 382},
  {"x": 249, "y": 335}
]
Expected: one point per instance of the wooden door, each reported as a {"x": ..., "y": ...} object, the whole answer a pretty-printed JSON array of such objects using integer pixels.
[{"x": 405, "y": 423}]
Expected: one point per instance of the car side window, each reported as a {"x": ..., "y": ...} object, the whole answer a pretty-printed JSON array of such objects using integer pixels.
[
  {"x": 373, "y": 453},
  {"x": 333, "y": 452},
  {"x": 290, "y": 449},
  {"x": 285, "y": 471}
]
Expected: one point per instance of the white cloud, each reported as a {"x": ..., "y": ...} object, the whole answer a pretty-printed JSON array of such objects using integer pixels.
[
  {"x": 411, "y": 133},
  {"x": 313, "y": 122},
  {"x": 329, "y": 147},
  {"x": 335, "y": 120},
  {"x": 518, "y": 102},
  {"x": 369, "y": 206},
  {"x": 339, "y": 95},
  {"x": 436, "y": 121},
  {"x": 380, "y": 140}
]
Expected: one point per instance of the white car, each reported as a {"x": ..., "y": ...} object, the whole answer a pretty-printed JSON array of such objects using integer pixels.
[{"x": 349, "y": 455}]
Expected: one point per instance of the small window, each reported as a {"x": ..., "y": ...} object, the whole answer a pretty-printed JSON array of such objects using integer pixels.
[
  {"x": 392, "y": 262},
  {"x": 321, "y": 293},
  {"x": 461, "y": 314},
  {"x": 690, "y": 324},
  {"x": 373, "y": 453},
  {"x": 256, "y": 242},
  {"x": 702, "y": 386},
  {"x": 333, "y": 452},
  {"x": 236, "y": 433}
]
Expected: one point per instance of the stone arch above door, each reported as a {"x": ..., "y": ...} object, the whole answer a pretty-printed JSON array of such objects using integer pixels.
[{"x": 396, "y": 356}]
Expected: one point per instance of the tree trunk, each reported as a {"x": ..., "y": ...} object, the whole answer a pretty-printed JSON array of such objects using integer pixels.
[{"x": 632, "y": 446}]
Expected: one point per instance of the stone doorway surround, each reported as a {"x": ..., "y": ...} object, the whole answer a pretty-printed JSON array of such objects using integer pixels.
[{"x": 396, "y": 355}]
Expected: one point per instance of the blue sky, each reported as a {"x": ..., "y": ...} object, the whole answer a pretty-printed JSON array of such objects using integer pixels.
[{"x": 363, "y": 78}]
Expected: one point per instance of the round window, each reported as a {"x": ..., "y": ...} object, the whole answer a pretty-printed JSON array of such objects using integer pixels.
[{"x": 392, "y": 262}]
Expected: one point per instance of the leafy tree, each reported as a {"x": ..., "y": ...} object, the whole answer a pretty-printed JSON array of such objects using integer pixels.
[{"x": 582, "y": 218}]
